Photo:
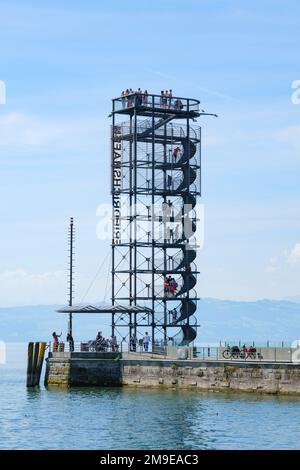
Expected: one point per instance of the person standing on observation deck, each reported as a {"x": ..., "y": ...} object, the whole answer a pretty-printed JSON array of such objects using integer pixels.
[{"x": 145, "y": 98}]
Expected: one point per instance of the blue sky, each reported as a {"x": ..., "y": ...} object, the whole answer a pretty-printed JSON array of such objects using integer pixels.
[{"x": 62, "y": 61}]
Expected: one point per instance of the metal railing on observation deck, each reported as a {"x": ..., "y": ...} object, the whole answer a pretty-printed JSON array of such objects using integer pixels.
[{"x": 156, "y": 102}]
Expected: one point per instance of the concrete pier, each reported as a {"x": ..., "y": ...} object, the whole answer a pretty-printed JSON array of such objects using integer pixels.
[
  {"x": 142, "y": 370},
  {"x": 83, "y": 369}
]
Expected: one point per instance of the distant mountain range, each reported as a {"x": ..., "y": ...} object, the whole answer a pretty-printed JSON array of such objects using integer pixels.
[
  {"x": 296, "y": 298},
  {"x": 262, "y": 320},
  {"x": 220, "y": 320}
]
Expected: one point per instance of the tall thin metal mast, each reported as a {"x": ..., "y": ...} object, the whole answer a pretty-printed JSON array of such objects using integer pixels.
[{"x": 71, "y": 273}]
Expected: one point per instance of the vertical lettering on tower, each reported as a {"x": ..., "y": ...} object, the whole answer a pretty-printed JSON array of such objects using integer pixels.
[{"x": 116, "y": 184}]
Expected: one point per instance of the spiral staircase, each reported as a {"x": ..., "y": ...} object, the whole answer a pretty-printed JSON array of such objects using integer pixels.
[{"x": 183, "y": 188}]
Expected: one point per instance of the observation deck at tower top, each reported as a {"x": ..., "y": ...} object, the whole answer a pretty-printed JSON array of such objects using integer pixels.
[{"x": 146, "y": 105}]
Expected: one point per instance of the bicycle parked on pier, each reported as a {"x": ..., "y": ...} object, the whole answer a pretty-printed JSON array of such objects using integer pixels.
[{"x": 245, "y": 352}]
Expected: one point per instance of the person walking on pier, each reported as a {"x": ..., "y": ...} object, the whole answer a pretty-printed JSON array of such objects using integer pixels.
[
  {"x": 99, "y": 336},
  {"x": 141, "y": 344},
  {"x": 55, "y": 340},
  {"x": 146, "y": 341},
  {"x": 133, "y": 343},
  {"x": 70, "y": 340},
  {"x": 113, "y": 343}
]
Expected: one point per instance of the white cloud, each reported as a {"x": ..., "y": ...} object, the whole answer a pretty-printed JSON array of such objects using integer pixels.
[
  {"x": 20, "y": 287},
  {"x": 294, "y": 256}
]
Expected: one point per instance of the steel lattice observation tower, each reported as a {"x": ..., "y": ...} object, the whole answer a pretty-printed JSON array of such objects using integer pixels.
[{"x": 155, "y": 183}]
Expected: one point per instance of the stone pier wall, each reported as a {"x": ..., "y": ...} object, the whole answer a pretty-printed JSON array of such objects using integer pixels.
[
  {"x": 262, "y": 377},
  {"x": 193, "y": 374},
  {"x": 86, "y": 370}
]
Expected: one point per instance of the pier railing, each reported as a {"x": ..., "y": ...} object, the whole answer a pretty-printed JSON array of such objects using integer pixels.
[
  {"x": 247, "y": 354},
  {"x": 223, "y": 353},
  {"x": 91, "y": 346},
  {"x": 259, "y": 344}
]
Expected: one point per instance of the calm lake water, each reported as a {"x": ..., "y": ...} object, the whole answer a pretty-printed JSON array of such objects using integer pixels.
[{"x": 141, "y": 419}]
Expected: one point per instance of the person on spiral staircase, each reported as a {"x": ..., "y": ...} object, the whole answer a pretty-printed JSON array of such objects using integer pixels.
[
  {"x": 170, "y": 286},
  {"x": 174, "y": 315},
  {"x": 176, "y": 153},
  {"x": 169, "y": 181}
]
